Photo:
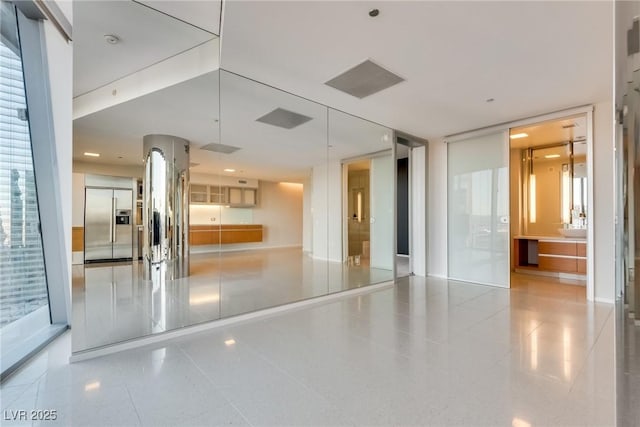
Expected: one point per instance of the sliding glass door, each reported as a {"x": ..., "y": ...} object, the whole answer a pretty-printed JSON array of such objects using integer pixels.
[{"x": 478, "y": 209}]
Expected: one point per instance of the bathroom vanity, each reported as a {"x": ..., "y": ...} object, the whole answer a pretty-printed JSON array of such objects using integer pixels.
[{"x": 550, "y": 254}]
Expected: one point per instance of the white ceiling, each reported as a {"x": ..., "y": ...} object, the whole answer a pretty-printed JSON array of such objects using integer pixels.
[
  {"x": 203, "y": 14},
  {"x": 531, "y": 57},
  {"x": 146, "y": 37},
  {"x": 550, "y": 132},
  {"x": 189, "y": 110}
]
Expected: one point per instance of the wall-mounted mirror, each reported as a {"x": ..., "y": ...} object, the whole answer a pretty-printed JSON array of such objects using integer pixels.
[{"x": 270, "y": 176}]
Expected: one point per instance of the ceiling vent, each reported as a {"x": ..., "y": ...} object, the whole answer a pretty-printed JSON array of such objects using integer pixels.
[
  {"x": 364, "y": 79},
  {"x": 220, "y": 148},
  {"x": 283, "y": 118}
]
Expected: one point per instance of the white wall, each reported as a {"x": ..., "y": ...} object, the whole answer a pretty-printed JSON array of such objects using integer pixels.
[
  {"x": 307, "y": 220},
  {"x": 326, "y": 211},
  {"x": 604, "y": 201},
  {"x": 129, "y": 171},
  {"x": 419, "y": 218},
  {"x": 437, "y": 209},
  {"x": 382, "y": 209},
  {"x": 77, "y": 205},
  {"x": 280, "y": 211}
]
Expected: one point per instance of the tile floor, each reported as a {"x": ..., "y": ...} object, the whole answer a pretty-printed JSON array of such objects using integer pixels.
[
  {"x": 628, "y": 368},
  {"x": 111, "y": 303},
  {"x": 426, "y": 352}
]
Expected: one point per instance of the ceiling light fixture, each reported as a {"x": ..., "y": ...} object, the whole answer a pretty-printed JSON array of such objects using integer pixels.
[
  {"x": 374, "y": 12},
  {"x": 230, "y": 342},
  {"x": 229, "y": 170},
  {"x": 519, "y": 135},
  {"x": 92, "y": 154},
  {"x": 111, "y": 39},
  {"x": 552, "y": 156},
  {"x": 490, "y": 100}
]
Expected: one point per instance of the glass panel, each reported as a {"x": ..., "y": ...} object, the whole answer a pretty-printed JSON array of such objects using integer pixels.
[
  {"x": 361, "y": 204},
  {"x": 478, "y": 199},
  {"x": 278, "y": 175},
  {"x": 112, "y": 301},
  {"x": 23, "y": 289}
]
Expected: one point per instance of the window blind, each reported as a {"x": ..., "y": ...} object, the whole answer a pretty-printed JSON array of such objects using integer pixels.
[{"x": 22, "y": 275}]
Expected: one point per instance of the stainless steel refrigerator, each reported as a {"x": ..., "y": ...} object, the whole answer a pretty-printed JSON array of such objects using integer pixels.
[{"x": 108, "y": 223}]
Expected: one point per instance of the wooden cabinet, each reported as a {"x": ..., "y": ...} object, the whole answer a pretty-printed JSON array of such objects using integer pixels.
[
  {"x": 550, "y": 255},
  {"x": 224, "y": 234}
]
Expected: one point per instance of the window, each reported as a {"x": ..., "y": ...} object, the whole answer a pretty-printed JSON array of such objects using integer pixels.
[{"x": 24, "y": 305}]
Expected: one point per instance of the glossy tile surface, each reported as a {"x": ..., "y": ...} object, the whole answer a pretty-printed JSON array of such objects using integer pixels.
[
  {"x": 111, "y": 302},
  {"x": 426, "y": 352},
  {"x": 628, "y": 368}
]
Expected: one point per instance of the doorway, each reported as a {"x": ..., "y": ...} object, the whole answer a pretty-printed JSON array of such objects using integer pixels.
[
  {"x": 549, "y": 205},
  {"x": 410, "y": 174}
]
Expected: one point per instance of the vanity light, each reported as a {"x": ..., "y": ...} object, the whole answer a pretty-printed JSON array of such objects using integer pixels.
[
  {"x": 552, "y": 156},
  {"x": 519, "y": 135},
  {"x": 359, "y": 215},
  {"x": 566, "y": 195},
  {"x": 532, "y": 199},
  {"x": 229, "y": 170},
  {"x": 91, "y": 154}
]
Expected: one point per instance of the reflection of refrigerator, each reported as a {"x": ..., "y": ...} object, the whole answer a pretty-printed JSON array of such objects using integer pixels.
[{"x": 108, "y": 224}]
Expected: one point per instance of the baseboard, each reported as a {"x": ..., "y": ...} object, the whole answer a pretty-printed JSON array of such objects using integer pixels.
[
  {"x": 604, "y": 300},
  {"x": 207, "y": 249},
  {"x": 203, "y": 327}
]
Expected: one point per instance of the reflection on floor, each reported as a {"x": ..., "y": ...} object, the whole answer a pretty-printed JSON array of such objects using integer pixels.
[
  {"x": 628, "y": 367},
  {"x": 544, "y": 286},
  {"x": 111, "y": 303},
  {"x": 426, "y": 352},
  {"x": 403, "y": 267}
]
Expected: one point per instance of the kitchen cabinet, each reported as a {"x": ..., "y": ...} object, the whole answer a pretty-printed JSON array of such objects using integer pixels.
[
  {"x": 224, "y": 234},
  {"x": 242, "y": 197},
  {"x": 222, "y": 195}
]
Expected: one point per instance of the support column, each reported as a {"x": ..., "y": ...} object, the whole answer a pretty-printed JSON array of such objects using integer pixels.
[{"x": 166, "y": 207}]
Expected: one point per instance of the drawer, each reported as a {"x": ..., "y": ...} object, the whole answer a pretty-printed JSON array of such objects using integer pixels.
[
  {"x": 565, "y": 265},
  {"x": 581, "y": 249},
  {"x": 582, "y": 266},
  {"x": 557, "y": 248}
]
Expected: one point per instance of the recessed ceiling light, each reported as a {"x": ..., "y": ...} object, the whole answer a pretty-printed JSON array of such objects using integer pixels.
[
  {"x": 229, "y": 342},
  {"x": 552, "y": 156},
  {"x": 229, "y": 170},
  {"x": 519, "y": 135},
  {"x": 490, "y": 100},
  {"x": 111, "y": 39},
  {"x": 374, "y": 12},
  {"x": 91, "y": 154}
]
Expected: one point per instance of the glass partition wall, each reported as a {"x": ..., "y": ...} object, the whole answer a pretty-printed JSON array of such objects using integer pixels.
[
  {"x": 478, "y": 211},
  {"x": 271, "y": 205}
]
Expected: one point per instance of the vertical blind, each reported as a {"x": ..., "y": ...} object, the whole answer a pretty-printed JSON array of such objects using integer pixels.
[{"x": 22, "y": 275}]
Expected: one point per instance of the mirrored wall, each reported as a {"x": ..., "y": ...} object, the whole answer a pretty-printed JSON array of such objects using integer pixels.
[{"x": 289, "y": 200}]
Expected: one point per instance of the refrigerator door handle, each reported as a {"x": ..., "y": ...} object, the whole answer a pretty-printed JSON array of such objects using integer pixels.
[{"x": 112, "y": 230}]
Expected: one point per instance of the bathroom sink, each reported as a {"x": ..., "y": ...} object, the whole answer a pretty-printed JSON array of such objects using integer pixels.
[{"x": 573, "y": 232}]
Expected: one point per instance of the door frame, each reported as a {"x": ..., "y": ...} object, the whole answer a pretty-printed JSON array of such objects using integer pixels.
[{"x": 411, "y": 142}]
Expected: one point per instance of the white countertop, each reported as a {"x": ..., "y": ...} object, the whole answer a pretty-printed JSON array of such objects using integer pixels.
[{"x": 557, "y": 238}]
